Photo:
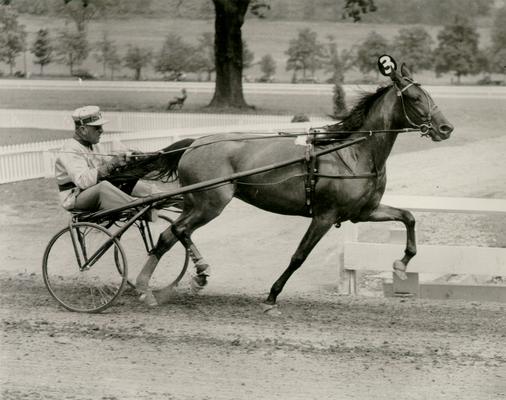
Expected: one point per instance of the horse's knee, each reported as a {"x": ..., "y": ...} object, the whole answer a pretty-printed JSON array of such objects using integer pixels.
[{"x": 409, "y": 219}]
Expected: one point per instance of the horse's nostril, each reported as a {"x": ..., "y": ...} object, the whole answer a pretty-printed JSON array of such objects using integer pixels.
[{"x": 446, "y": 128}]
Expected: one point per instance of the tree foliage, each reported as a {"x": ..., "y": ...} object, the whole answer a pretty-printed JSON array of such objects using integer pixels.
[
  {"x": 247, "y": 56},
  {"x": 356, "y": 8},
  {"x": 414, "y": 47},
  {"x": 205, "y": 54},
  {"x": 305, "y": 53},
  {"x": 106, "y": 53},
  {"x": 12, "y": 36},
  {"x": 457, "y": 50},
  {"x": 337, "y": 63},
  {"x": 72, "y": 48},
  {"x": 42, "y": 49},
  {"x": 174, "y": 56},
  {"x": 83, "y": 11},
  {"x": 369, "y": 50},
  {"x": 137, "y": 58},
  {"x": 268, "y": 66},
  {"x": 498, "y": 48}
]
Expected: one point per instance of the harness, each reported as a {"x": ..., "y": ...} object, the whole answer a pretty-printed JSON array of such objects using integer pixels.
[
  {"x": 426, "y": 123},
  {"x": 311, "y": 172}
]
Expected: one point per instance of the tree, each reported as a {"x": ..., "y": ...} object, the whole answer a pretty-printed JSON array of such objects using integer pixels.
[
  {"x": 247, "y": 56},
  {"x": 305, "y": 53},
  {"x": 82, "y": 11},
  {"x": 175, "y": 55},
  {"x": 136, "y": 58},
  {"x": 355, "y": 8},
  {"x": 414, "y": 47},
  {"x": 458, "y": 51},
  {"x": 105, "y": 51},
  {"x": 369, "y": 50},
  {"x": 205, "y": 53},
  {"x": 497, "y": 53},
  {"x": 72, "y": 48},
  {"x": 229, "y": 18},
  {"x": 12, "y": 37},
  {"x": 113, "y": 62},
  {"x": 268, "y": 66},
  {"x": 337, "y": 63},
  {"x": 42, "y": 49}
]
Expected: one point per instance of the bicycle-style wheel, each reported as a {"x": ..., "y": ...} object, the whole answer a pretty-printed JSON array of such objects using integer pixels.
[{"x": 84, "y": 268}]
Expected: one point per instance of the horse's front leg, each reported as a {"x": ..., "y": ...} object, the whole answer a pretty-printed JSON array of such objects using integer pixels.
[
  {"x": 386, "y": 213},
  {"x": 318, "y": 228}
]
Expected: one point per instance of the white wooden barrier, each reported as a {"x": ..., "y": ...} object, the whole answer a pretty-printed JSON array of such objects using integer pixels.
[
  {"x": 135, "y": 121},
  {"x": 473, "y": 260},
  {"x": 36, "y": 160}
]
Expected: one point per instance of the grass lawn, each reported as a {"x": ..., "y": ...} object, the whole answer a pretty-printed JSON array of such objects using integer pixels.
[{"x": 10, "y": 136}]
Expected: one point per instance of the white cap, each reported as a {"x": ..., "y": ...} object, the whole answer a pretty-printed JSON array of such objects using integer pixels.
[{"x": 88, "y": 115}]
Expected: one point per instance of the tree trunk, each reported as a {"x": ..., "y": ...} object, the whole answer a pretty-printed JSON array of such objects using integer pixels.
[
  {"x": 228, "y": 53},
  {"x": 137, "y": 74}
]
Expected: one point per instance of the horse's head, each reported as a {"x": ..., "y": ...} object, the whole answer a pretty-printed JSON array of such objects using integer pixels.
[{"x": 419, "y": 109}]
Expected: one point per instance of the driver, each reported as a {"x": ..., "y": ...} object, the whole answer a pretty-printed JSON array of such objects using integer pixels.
[{"x": 83, "y": 166}]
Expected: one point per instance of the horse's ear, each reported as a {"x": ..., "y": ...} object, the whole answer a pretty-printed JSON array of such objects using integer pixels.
[{"x": 405, "y": 71}]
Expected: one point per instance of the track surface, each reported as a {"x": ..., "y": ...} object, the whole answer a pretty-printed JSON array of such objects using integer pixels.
[{"x": 218, "y": 345}]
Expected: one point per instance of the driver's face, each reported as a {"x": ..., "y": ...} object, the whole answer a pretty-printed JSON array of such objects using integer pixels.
[{"x": 92, "y": 133}]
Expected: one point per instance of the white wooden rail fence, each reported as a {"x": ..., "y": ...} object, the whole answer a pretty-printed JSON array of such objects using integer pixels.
[
  {"x": 473, "y": 260},
  {"x": 135, "y": 121},
  {"x": 36, "y": 160}
]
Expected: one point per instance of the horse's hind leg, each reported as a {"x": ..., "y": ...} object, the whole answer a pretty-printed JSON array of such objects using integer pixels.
[
  {"x": 318, "y": 228},
  {"x": 386, "y": 213},
  {"x": 200, "y": 208},
  {"x": 165, "y": 242}
]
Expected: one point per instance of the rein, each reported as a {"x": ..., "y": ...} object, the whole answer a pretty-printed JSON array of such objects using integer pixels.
[{"x": 281, "y": 134}]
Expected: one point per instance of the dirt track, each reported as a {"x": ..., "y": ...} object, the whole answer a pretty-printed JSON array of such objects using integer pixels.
[{"x": 218, "y": 345}]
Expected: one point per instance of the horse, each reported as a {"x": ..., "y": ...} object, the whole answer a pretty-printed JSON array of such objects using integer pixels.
[{"x": 377, "y": 117}]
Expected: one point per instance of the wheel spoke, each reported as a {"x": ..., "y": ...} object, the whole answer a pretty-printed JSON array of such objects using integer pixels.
[{"x": 85, "y": 290}]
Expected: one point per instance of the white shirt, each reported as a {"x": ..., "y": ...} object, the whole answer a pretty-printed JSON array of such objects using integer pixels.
[{"x": 78, "y": 164}]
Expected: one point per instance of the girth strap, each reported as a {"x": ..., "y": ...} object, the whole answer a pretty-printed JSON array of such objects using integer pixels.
[{"x": 311, "y": 176}]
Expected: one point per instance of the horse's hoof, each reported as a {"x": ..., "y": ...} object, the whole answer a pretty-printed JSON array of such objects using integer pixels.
[
  {"x": 148, "y": 298},
  {"x": 271, "y": 309},
  {"x": 197, "y": 283},
  {"x": 400, "y": 270}
]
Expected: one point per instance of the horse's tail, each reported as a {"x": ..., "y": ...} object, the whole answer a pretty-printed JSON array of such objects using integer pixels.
[{"x": 161, "y": 166}]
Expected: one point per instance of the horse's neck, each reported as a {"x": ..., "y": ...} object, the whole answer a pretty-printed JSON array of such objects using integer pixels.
[{"x": 383, "y": 117}]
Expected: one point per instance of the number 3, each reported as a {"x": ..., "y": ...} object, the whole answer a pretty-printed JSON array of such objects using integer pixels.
[{"x": 388, "y": 64}]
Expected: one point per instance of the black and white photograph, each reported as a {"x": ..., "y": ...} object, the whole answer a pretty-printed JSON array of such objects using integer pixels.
[{"x": 252, "y": 199}]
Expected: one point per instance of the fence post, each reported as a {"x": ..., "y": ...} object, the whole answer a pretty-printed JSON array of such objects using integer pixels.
[{"x": 347, "y": 278}]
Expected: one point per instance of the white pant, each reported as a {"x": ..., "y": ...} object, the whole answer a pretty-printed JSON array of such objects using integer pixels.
[{"x": 104, "y": 196}]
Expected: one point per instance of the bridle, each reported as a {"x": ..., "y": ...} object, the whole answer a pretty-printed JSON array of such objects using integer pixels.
[{"x": 426, "y": 125}]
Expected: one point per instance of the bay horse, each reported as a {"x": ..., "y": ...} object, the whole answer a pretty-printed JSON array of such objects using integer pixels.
[{"x": 380, "y": 116}]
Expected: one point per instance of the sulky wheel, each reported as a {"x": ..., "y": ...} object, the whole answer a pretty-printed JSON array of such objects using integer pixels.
[{"x": 84, "y": 268}]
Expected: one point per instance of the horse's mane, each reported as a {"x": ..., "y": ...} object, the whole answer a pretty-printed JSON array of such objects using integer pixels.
[{"x": 355, "y": 119}]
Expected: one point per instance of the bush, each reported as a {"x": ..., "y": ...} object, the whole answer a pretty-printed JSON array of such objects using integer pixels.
[
  {"x": 83, "y": 74},
  {"x": 339, "y": 101},
  {"x": 300, "y": 118}
]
